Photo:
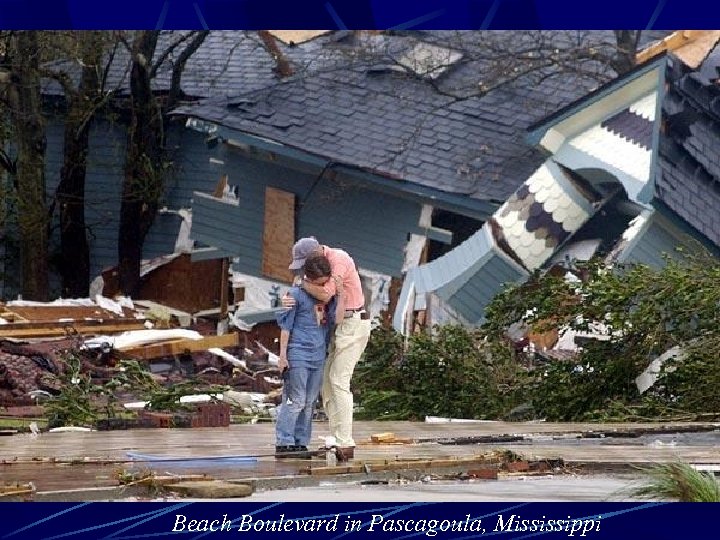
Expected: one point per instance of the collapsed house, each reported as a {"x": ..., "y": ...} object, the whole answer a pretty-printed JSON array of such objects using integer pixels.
[
  {"x": 392, "y": 155},
  {"x": 396, "y": 147},
  {"x": 630, "y": 172},
  {"x": 382, "y": 145}
]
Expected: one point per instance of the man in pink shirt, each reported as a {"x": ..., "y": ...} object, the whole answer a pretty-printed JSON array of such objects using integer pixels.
[{"x": 349, "y": 340}]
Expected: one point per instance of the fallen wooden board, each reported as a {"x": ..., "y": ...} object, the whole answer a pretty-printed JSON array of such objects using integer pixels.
[
  {"x": 211, "y": 489},
  {"x": 180, "y": 346},
  {"x": 16, "y": 489},
  {"x": 382, "y": 437},
  {"x": 394, "y": 465},
  {"x": 165, "y": 480},
  {"x": 58, "y": 328}
]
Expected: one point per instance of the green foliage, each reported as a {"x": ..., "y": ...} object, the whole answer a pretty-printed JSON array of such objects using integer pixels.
[
  {"x": 82, "y": 403},
  {"x": 443, "y": 373},
  {"x": 636, "y": 313},
  {"x": 640, "y": 313},
  {"x": 73, "y": 407},
  {"x": 680, "y": 482}
]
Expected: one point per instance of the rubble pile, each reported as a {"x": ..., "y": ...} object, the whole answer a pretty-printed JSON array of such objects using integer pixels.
[
  {"x": 112, "y": 359},
  {"x": 23, "y": 372}
]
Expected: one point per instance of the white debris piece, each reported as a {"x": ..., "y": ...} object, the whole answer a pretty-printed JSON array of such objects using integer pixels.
[
  {"x": 229, "y": 357},
  {"x": 649, "y": 377},
  {"x": 440, "y": 420},
  {"x": 272, "y": 357},
  {"x": 135, "y": 338},
  {"x": 109, "y": 305}
]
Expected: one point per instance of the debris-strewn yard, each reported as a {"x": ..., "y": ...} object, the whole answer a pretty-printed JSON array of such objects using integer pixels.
[{"x": 154, "y": 374}]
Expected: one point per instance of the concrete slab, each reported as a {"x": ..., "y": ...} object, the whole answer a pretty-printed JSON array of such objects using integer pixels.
[{"x": 560, "y": 489}]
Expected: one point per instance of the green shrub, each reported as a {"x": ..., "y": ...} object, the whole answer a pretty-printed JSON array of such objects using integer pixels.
[
  {"x": 644, "y": 312},
  {"x": 443, "y": 373},
  {"x": 680, "y": 482}
]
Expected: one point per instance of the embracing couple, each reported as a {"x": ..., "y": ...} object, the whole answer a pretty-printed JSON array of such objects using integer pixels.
[{"x": 323, "y": 333}]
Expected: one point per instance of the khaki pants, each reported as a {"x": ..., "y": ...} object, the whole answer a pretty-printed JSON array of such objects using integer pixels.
[{"x": 346, "y": 348}]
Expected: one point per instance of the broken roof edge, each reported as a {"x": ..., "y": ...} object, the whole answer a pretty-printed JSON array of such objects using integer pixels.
[
  {"x": 690, "y": 46},
  {"x": 538, "y": 130},
  {"x": 668, "y": 214},
  {"x": 466, "y": 205}
]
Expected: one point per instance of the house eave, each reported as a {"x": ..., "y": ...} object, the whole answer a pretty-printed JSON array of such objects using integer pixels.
[
  {"x": 479, "y": 209},
  {"x": 554, "y": 129}
]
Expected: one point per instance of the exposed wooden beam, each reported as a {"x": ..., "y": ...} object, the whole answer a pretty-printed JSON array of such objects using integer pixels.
[
  {"x": 182, "y": 346},
  {"x": 57, "y": 328}
]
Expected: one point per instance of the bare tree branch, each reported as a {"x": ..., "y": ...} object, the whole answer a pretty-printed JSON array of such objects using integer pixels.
[
  {"x": 179, "y": 67},
  {"x": 282, "y": 65},
  {"x": 169, "y": 50}
]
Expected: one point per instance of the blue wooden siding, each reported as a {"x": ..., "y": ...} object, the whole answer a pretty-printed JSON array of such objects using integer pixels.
[
  {"x": 103, "y": 187},
  {"x": 103, "y": 190},
  {"x": 372, "y": 227},
  {"x": 471, "y": 299},
  {"x": 657, "y": 240}
]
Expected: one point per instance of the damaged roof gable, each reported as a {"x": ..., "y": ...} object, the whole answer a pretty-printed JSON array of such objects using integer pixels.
[{"x": 612, "y": 129}]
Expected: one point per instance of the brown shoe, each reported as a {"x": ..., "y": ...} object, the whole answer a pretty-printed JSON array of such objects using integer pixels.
[{"x": 345, "y": 453}]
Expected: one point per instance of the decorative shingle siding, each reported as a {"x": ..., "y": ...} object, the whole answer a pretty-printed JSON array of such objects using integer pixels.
[
  {"x": 542, "y": 214},
  {"x": 688, "y": 176},
  {"x": 623, "y": 141}
]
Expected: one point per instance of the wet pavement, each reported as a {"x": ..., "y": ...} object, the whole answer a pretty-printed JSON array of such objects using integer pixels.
[{"x": 95, "y": 459}]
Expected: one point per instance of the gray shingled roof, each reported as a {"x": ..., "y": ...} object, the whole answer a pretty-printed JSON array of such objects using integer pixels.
[
  {"x": 228, "y": 62},
  {"x": 688, "y": 180},
  {"x": 435, "y": 132}
]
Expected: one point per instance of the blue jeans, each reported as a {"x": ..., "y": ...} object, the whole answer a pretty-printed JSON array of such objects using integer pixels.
[{"x": 300, "y": 391}]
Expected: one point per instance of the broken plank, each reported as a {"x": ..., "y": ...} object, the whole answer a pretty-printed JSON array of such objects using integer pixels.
[
  {"x": 379, "y": 438},
  {"x": 56, "y": 328},
  {"x": 393, "y": 465},
  {"x": 16, "y": 489},
  {"x": 165, "y": 480},
  {"x": 182, "y": 346},
  {"x": 211, "y": 489}
]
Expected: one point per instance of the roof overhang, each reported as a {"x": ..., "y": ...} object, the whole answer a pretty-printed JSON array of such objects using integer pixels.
[
  {"x": 613, "y": 97},
  {"x": 479, "y": 209}
]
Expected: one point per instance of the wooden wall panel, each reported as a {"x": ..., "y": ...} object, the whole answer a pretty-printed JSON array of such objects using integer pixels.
[{"x": 278, "y": 234}]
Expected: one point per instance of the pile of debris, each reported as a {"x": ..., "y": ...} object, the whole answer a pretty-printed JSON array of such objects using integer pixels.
[
  {"x": 24, "y": 374},
  {"x": 101, "y": 336}
]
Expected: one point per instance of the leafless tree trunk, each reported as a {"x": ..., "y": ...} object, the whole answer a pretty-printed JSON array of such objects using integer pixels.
[
  {"x": 627, "y": 43},
  {"x": 143, "y": 183},
  {"x": 25, "y": 102},
  {"x": 81, "y": 107},
  {"x": 282, "y": 64}
]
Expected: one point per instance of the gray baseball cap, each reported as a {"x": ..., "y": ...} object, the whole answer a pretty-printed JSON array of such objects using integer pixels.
[{"x": 302, "y": 250}]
